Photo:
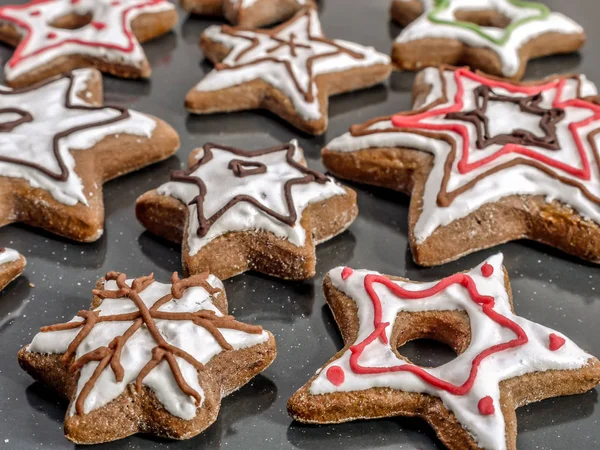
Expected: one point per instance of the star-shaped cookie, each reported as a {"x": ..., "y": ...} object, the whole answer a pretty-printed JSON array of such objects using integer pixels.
[
  {"x": 58, "y": 145},
  {"x": 237, "y": 210},
  {"x": 291, "y": 70},
  {"x": 496, "y": 36},
  {"x": 486, "y": 161},
  {"x": 12, "y": 264},
  {"x": 148, "y": 357},
  {"x": 504, "y": 361},
  {"x": 55, "y": 36},
  {"x": 246, "y": 13}
]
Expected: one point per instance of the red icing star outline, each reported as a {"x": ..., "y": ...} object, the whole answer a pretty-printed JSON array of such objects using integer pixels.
[
  {"x": 18, "y": 57},
  {"x": 487, "y": 305},
  {"x": 413, "y": 121}
]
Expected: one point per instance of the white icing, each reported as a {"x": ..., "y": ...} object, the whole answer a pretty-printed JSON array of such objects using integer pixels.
[
  {"x": 424, "y": 28},
  {"x": 8, "y": 255},
  {"x": 534, "y": 356},
  {"x": 111, "y": 43},
  {"x": 520, "y": 179},
  {"x": 275, "y": 73},
  {"x": 268, "y": 188},
  {"x": 137, "y": 351},
  {"x": 33, "y": 141}
]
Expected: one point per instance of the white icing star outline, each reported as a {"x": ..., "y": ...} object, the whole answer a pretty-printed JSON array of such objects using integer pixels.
[{"x": 502, "y": 345}]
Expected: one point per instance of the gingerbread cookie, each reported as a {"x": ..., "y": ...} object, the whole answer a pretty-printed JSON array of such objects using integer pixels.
[
  {"x": 12, "y": 264},
  {"x": 246, "y": 13},
  {"x": 237, "y": 210},
  {"x": 148, "y": 358},
  {"x": 486, "y": 162},
  {"x": 58, "y": 145},
  {"x": 56, "y": 36},
  {"x": 496, "y": 36},
  {"x": 290, "y": 70},
  {"x": 504, "y": 361}
]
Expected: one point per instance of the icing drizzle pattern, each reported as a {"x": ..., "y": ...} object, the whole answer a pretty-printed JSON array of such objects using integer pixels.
[
  {"x": 489, "y": 142},
  {"x": 502, "y": 346},
  {"x": 149, "y": 333},
  {"x": 289, "y": 57},
  {"x": 229, "y": 189},
  {"x": 528, "y": 20},
  {"x": 108, "y": 35}
]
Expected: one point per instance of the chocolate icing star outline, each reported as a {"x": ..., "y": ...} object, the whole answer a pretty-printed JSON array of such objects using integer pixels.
[
  {"x": 548, "y": 120},
  {"x": 236, "y": 165},
  {"x": 308, "y": 94},
  {"x": 26, "y": 116}
]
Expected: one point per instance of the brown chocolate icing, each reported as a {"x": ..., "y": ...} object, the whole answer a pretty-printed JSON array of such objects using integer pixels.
[
  {"x": 145, "y": 316},
  {"x": 185, "y": 176}
]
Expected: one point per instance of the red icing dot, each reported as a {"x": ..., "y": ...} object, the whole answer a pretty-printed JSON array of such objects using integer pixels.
[
  {"x": 35, "y": 13},
  {"x": 335, "y": 375},
  {"x": 98, "y": 25},
  {"x": 115, "y": 3},
  {"x": 556, "y": 342},
  {"x": 487, "y": 270},
  {"x": 51, "y": 35},
  {"x": 74, "y": 2},
  {"x": 486, "y": 406},
  {"x": 346, "y": 273}
]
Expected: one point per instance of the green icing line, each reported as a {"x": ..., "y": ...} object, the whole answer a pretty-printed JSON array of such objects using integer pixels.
[{"x": 441, "y": 5}]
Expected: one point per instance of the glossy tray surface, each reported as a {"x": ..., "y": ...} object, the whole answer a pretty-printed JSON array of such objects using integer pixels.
[{"x": 549, "y": 287}]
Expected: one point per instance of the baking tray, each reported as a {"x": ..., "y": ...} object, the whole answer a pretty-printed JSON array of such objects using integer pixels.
[{"x": 549, "y": 287}]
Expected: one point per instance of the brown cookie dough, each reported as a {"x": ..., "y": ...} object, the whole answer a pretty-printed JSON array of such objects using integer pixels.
[
  {"x": 53, "y": 37},
  {"x": 12, "y": 264},
  {"x": 60, "y": 144},
  {"x": 290, "y": 70},
  {"x": 504, "y": 362},
  {"x": 166, "y": 341},
  {"x": 496, "y": 36},
  {"x": 236, "y": 210},
  {"x": 486, "y": 162}
]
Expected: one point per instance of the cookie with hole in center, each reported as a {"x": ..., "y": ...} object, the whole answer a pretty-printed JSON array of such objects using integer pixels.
[
  {"x": 246, "y": 13},
  {"x": 496, "y": 36},
  {"x": 486, "y": 161},
  {"x": 12, "y": 264},
  {"x": 59, "y": 144},
  {"x": 53, "y": 37},
  {"x": 148, "y": 357},
  {"x": 235, "y": 210},
  {"x": 290, "y": 70},
  {"x": 504, "y": 361}
]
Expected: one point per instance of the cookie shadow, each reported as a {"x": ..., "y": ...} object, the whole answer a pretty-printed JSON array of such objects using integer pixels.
[
  {"x": 14, "y": 298},
  {"x": 163, "y": 253},
  {"x": 360, "y": 434}
]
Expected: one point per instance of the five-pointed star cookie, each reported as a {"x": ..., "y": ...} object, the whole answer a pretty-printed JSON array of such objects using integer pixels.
[
  {"x": 148, "y": 358},
  {"x": 237, "y": 210},
  {"x": 246, "y": 13},
  {"x": 55, "y": 36},
  {"x": 486, "y": 161},
  {"x": 496, "y": 36},
  {"x": 12, "y": 264},
  {"x": 58, "y": 145},
  {"x": 504, "y": 361},
  {"x": 290, "y": 70}
]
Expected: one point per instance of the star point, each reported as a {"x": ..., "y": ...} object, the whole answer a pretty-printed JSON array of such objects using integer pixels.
[{"x": 465, "y": 399}]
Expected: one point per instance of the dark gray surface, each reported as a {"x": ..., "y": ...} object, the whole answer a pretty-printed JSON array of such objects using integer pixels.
[{"x": 549, "y": 287}]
